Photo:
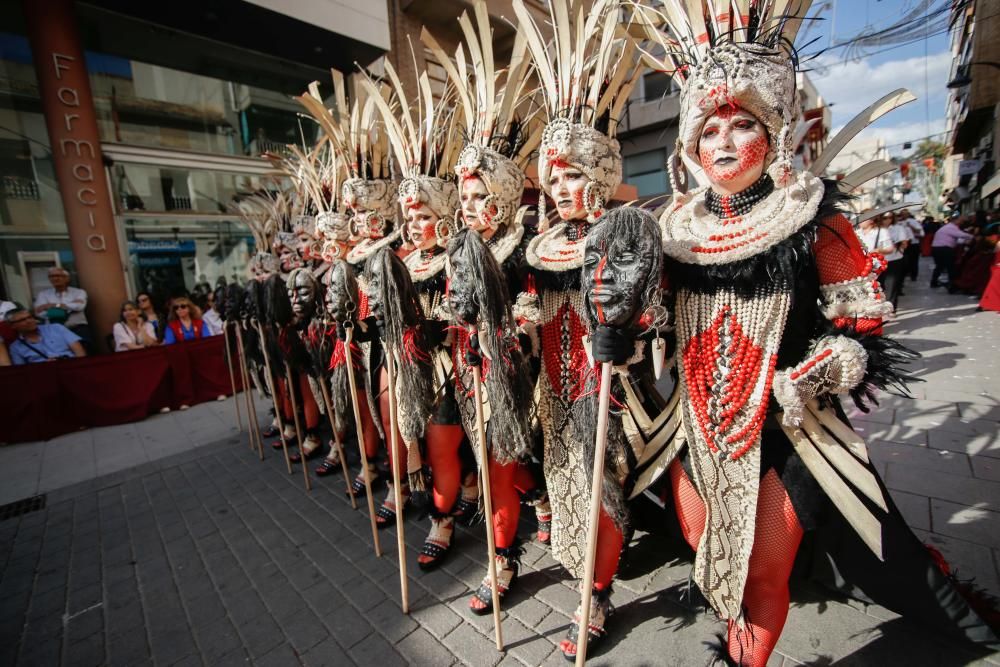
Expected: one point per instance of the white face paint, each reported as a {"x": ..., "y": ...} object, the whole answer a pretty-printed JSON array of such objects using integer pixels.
[
  {"x": 732, "y": 150},
  {"x": 473, "y": 197},
  {"x": 420, "y": 222},
  {"x": 566, "y": 184}
]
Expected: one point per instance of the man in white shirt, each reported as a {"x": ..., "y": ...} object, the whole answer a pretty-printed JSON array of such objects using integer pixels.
[
  {"x": 72, "y": 301},
  {"x": 911, "y": 255}
]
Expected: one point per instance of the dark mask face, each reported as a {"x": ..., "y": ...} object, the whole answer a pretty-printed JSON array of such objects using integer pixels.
[
  {"x": 302, "y": 294},
  {"x": 374, "y": 290},
  {"x": 462, "y": 288},
  {"x": 617, "y": 269},
  {"x": 341, "y": 293}
]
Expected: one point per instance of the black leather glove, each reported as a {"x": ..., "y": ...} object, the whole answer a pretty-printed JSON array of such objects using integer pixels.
[
  {"x": 611, "y": 344},
  {"x": 361, "y": 334},
  {"x": 473, "y": 356},
  {"x": 435, "y": 332}
]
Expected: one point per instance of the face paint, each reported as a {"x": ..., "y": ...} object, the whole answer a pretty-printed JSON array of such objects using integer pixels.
[
  {"x": 566, "y": 184},
  {"x": 732, "y": 150},
  {"x": 474, "y": 194},
  {"x": 618, "y": 265},
  {"x": 420, "y": 222}
]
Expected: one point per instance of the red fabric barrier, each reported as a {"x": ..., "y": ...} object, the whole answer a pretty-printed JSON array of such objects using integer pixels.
[{"x": 41, "y": 401}]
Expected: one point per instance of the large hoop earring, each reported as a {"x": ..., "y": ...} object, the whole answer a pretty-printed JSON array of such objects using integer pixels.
[{"x": 442, "y": 232}]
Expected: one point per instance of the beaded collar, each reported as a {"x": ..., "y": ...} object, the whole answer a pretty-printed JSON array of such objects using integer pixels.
[
  {"x": 694, "y": 234},
  {"x": 425, "y": 264},
  {"x": 560, "y": 248},
  {"x": 730, "y": 206},
  {"x": 360, "y": 253}
]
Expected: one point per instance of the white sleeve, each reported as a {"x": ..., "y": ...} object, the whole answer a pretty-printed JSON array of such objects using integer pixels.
[
  {"x": 121, "y": 337},
  {"x": 77, "y": 299}
]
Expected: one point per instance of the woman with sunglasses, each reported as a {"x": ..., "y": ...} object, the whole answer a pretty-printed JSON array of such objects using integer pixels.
[
  {"x": 185, "y": 322},
  {"x": 131, "y": 332}
]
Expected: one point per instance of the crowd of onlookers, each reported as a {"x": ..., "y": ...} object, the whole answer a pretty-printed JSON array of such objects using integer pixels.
[
  {"x": 56, "y": 326},
  {"x": 963, "y": 248}
]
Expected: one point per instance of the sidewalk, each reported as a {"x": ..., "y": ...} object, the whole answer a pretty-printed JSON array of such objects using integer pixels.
[{"x": 200, "y": 554}]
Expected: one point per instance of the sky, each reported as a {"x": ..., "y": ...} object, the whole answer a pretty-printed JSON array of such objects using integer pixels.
[{"x": 850, "y": 85}]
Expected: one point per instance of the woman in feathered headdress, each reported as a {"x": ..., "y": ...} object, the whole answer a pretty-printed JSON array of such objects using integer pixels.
[
  {"x": 585, "y": 74},
  {"x": 778, "y": 313},
  {"x": 496, "y": 113},
  {"x": 424, "y": 136}
]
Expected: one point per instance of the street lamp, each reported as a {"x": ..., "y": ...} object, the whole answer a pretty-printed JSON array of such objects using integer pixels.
[{"x": 962, "y": 78}]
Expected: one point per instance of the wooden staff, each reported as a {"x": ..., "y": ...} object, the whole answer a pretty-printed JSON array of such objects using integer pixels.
[
  {"x": 336, "y": 440},
  {"x": 484, "y": 469},
  {"x": 272, "y": 386},
  {"x": 248, "y": 393},
  {"x": 349, "y": 329},
  {"x": 232, "y": 379},
  {"x": 298, "y": 427},
  {"x": 583, "y": 630},
  {"x": 390, "y": 371}
]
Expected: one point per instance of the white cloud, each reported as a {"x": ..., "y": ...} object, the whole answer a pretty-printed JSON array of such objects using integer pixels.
[
  {"x": 893, "y": 136},
  {"x": 852, "y": 86}
]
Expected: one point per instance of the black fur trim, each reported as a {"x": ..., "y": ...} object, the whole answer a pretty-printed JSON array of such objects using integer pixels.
[
  {"x": 559, "y": 281},
  {"x": 779, "y": 265}
]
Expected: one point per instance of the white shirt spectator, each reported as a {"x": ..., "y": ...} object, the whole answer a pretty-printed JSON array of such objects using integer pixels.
[
  {"x": 877, "y": 237},
  {"x": 73, "y": 299},
  {"x": 904, "y": 232},
  {"x": 125, "y": 337},
  {"x": 915, "y": 228},
  {"x": 214, "y": 322}
]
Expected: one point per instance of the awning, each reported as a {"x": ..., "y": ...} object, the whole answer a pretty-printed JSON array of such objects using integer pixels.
[{"x": 990, "y": 187}]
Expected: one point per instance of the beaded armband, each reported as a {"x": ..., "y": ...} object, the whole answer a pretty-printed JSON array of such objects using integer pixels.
[
  {"x": 835, "y": 365},
  {"x": 857, "y": 298}
]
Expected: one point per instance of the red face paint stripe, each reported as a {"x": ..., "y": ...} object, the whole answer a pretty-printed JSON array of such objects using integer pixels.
[{"x": 597, "y": 283}]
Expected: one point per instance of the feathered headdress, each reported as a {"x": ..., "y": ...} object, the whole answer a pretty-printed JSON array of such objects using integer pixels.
[
  {"x": 264, "y": 213},
  {"x": 728, "y": 53},
  {"x": 361, "y": 144},
  {"x": 498, "y": 144},
  {"x": 425, "y": 140},
  {"x": 586, "y": 73}
]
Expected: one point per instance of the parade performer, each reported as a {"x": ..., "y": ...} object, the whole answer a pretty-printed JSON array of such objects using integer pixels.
[
  {"x": 778, "y": 314},
  {"x": 424, "y": 137},
  {"x": 490, "y": 172},
  {"x": 368, "y": 195},
  {"x": 586, "y": 76}
]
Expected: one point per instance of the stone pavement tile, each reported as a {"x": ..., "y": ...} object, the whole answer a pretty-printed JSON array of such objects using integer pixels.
[
  {"x": 127, "y": 648},
  {"x": 976, "y": 444},
  {"x": 955, "y": 463},
  {"x": 900, "y": 433},
  {"x": 388, "y": 619},
  {"x": 279, "y": 656},
  {"x": 471, "y": 647},
  {"x": 987, "y": 409},
  {"x": 303, "y": 630},
  {"x": 972, "y": 524},
  {"x": 559, "y": 597},
  {"x": 830, "y": 632},
  {"x": 915, "y": 509},
  {"x": 523, "y": 642},
  {"x": 437, "y": 618},
  {"x": 260, "y": 634},
  {"x": 956, "y": 488},
  {"x": 327, "y": 653},
  {"x": 348, "y": 625},
  {"x": 422, "y": 648},
  {"x": 374, "y": 650},
  {"x": 967, "y": 560},
  {"x": 985, "y": 467}
]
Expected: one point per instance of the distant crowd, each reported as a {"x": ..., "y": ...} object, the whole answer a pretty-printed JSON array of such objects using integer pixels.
[
  {"x": 964, "y": 249},
  {"x": 56, "y": 327}
]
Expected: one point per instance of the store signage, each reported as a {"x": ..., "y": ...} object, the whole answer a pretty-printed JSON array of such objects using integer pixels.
[
  {"x": 966, "y": 167},
  {"x": 80, "y": 151},
  {"x": 165, "y": 246}
]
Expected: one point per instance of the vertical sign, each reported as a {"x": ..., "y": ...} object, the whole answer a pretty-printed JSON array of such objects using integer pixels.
[{"x": 68, "y": 106}]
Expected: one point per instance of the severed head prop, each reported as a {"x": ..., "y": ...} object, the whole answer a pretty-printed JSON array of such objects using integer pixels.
[{"x": 341, "y": 292}]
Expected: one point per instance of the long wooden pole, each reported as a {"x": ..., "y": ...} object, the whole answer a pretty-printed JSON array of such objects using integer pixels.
[
  {"x": 596, "y": 485},
  {"x": 272, "y": 386},
  {"x": 248, "y": 393},
  {"x": 336, "y": 440},
  {"x": 365, "y": 471},
  {"x": 484, "y": 469},
  {"x": 232, "y": 378},
  {"x": 298, "y": 426},
  {"x": 390, "y": 371}
]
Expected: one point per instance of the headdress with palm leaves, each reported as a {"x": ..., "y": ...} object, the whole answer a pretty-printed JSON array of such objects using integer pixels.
[
  {"x": 498, "y": 143},
  {"x": 586, "y": 73}
]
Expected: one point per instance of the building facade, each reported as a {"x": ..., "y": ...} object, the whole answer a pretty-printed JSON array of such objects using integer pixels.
[{"x": 128, "y": 129}]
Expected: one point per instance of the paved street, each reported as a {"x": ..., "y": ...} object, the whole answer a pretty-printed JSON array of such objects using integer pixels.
[{"x": 169, "y": 542}]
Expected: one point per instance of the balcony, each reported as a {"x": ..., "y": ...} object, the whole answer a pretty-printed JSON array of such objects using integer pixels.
[{"x": 17, "y": 187}]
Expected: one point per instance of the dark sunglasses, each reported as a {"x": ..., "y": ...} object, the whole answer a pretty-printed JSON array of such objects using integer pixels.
[{"x": 179, "y": 306}]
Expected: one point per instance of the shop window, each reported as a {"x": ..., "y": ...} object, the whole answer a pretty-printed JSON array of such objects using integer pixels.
[
  {"x": 647, "y": 172},
  {"x": 656, "y": 85}
]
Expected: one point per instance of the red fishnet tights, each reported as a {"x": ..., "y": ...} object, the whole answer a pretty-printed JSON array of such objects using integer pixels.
[
  {"x": 306, "y": 400},
  {"x": 443, "y": 441},
  {"x": 776, "y": 541},
  {"x": 839, "y": 254},
  {"x": 383, "y": 408},
  {"x": 505, "y": 483}
]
